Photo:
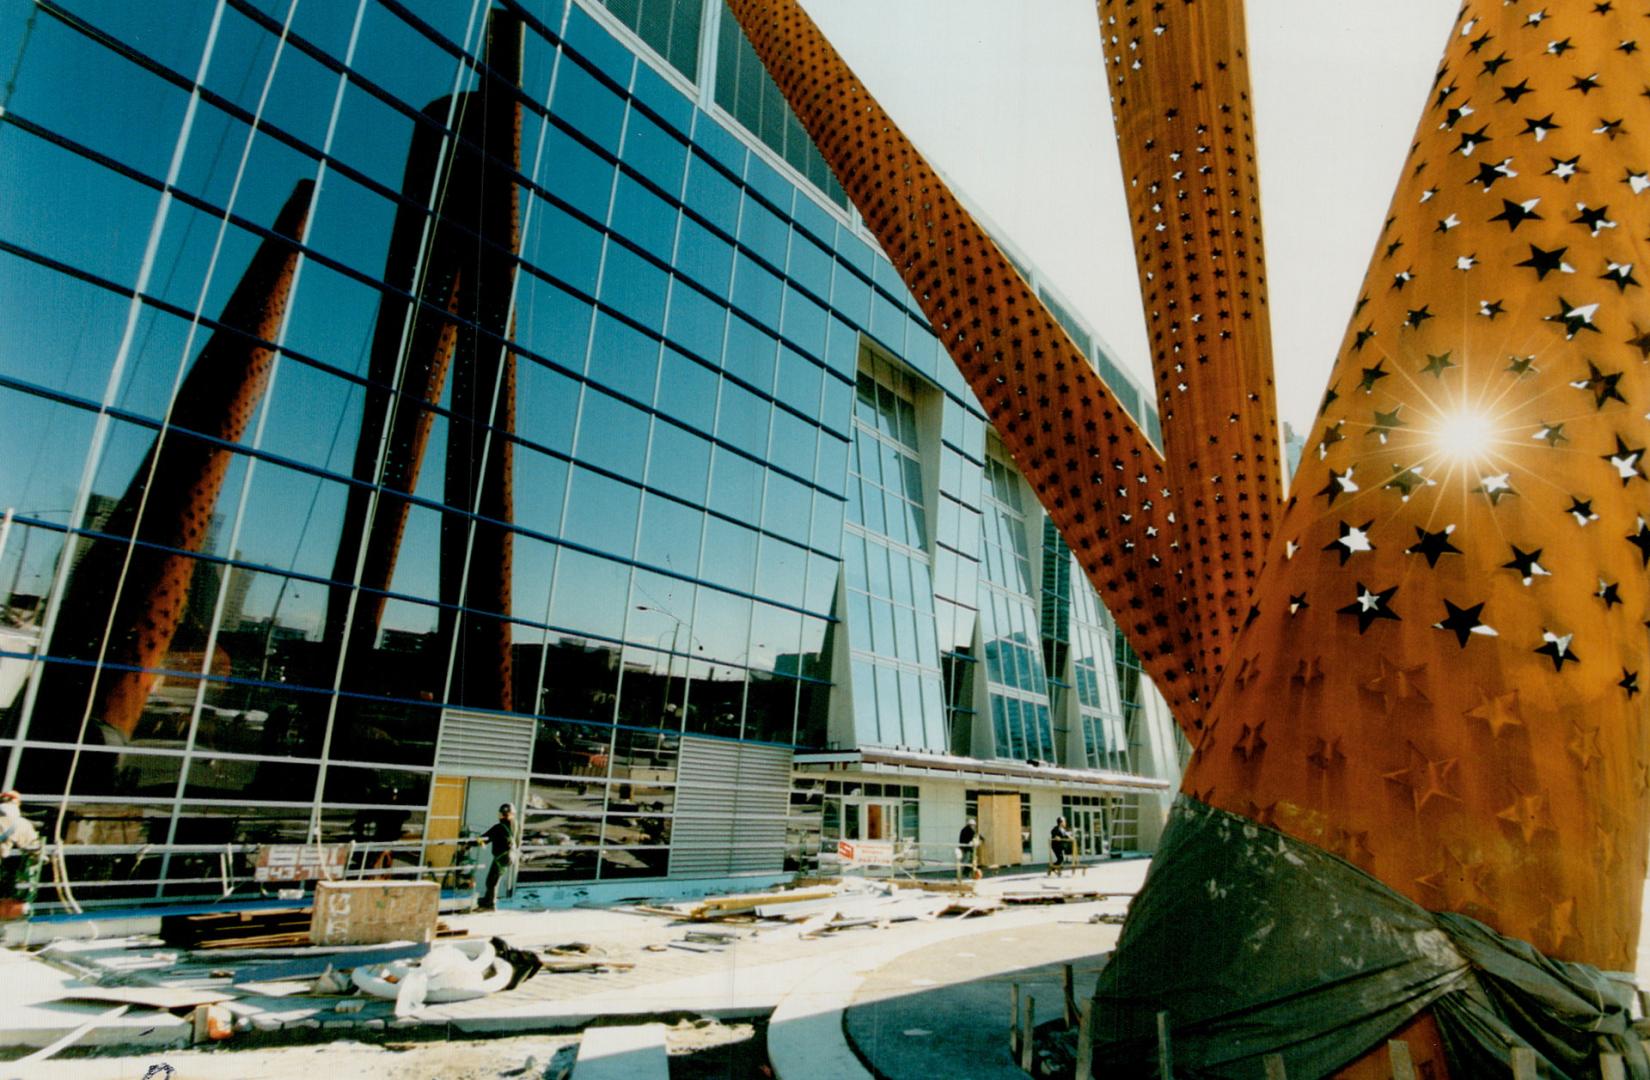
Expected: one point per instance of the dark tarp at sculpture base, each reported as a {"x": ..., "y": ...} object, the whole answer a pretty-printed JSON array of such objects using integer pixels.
[{"x": 1255, "y": 943}]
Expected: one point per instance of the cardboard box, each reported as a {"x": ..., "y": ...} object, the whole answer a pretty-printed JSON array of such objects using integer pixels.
[{"x": 373, "y": 912}]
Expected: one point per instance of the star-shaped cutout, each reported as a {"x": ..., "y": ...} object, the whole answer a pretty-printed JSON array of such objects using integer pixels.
[
  {"x": 1464, "y": 622},
  {"x": 1620, "y": 275},
  {"x": 1406, "y": 481},
  {"x": 1437, "y": 365},
  {"x": 1353, "y": 539},
  {"x": 1526, "y": 564},
  {"x": 1490, "y": 309},
  {"x": 1538, "y": 126},
  {"x": 1248, "y": 671},
  {"x": 1331, "y": 435},
  {"x": 1564, "y": 168},
  {"x": 1426, "y": 778},
  {"x": 1495, "y": 487},
  {"x": 1637, "y": 182},
  {"x": 1560, "y": 47},
  {"x": 1586, "y": 84},
  {"x": 1592, "y": 218},
  {"x": 1517, "y": 213},
  {"x": 1559, "y": 923},
  {"x": 1414, "y": 317},
  {"x": 1602, "y": 384},
  {"x": 1556, "y": 647},
  {"x": 1466, "y": 262},
  {"x": 1627, "y": 461},
  {"x": 1373, "y": 375},
  {"x": 1370, "y": 606},
  {"x": 1545, "y": 262},
  {"x": 1521, "y": 365},
  {"x": 1472, "y": 140},
  {"x": 1640, "y": 341},
  {"x": 1339, "y": 484},
  {"x": 1641, "y": 540},
  {"x": 1574, "y": 317},
  {"x": 1514, "y": 92},
  {"x": 1551, "y": 434},
  {"x": 1397, "y": 684},
  {"x": 1297, "y": 603},
  {"x": 1434, "y": 545},
  {"x": 1609, "y": 592},
  {"x": 1500, "y": 711},
  {"x": 1582, "y": 510},
  {"x": 1629, "y": 682}
]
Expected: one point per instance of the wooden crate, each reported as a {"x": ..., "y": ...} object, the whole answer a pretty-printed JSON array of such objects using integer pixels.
[{"x": 373, "y": 912}]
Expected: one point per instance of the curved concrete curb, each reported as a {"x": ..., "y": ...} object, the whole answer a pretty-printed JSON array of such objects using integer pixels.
[{"x": 805, "y": 1035}]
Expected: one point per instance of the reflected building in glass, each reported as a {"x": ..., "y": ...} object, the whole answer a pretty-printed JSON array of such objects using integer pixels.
[{"x": 416, "y": 405}]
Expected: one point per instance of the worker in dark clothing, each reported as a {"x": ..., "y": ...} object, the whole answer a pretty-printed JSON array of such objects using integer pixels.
[
  {"x": 501, "y": 842},
  {"x": 968, "y": 848},
  {"x": 1060, "y": 848}
]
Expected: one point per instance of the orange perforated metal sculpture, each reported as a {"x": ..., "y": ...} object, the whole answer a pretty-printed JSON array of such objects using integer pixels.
[
  {"x": 1439, "y": 674},
  {"x": 1179, "y": 82},
  {"x": 1097, "y": 474}
]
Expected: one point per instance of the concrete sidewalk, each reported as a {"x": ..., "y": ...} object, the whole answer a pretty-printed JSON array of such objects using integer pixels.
[{"x": 767, "y": 966}]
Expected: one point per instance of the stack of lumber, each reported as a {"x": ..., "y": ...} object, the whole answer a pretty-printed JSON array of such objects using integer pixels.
[{"x": 267, "y": 929}]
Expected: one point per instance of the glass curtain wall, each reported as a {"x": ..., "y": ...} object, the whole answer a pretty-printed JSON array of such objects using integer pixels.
[
  {"x": 890, "y": 588},
  {"x": 464, "y": 363},
  {"x": 1020, "y": 719}
]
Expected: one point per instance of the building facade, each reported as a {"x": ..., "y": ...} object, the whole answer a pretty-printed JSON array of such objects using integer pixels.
[{"x": 411, "y": 407}]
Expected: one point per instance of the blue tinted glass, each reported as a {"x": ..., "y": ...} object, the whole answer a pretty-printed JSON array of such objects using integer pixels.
[
  {"x": 851, "y": 296},
  {"x": 805, "y": 322},
  {"x": 578, "y": 174},
  {"x": 601, "y": 512},
  {"x": 736, "y": 486},
  {"x": 704, "y": 256},
  {"x": 742, "y": 419},
  {"x": 553, "y": 323},
  {"x": 687, "y": 390},
  {"x": 660, "y": 95},
  {"x": 799, "y": 381},
  {"x": 815, "y": 218},
  {"x": 826, "y": 532},
  {"x": 761, "y": 230},
  {"x": 591, "y": 594},
  {"x": 634, "y": 286},
  {"x": 756, "y": 292},
  {"x": 884, "y": 275},
  {"x": 853, "y": 250},
  {"x": 721, "y": 145},
  {"x": 766, "y": 181},
  {"x": 654, "y": 152},
  {"x": 811, "y": 266},
  {"x": 546, "y": 402},
  {"x": 595, "y": 44},
  {"x": 839, "y": 403},
  {"x": 792, "y": 442},
  {"x": 732, "y": 561},
  {"x": 750, "y": 354},
  {"x": 786, "y": 510},
  {"x": 591, "y": 108},
  {"x": 540, "y": 482},
  {"x": 781, "y": 574},
  {"x": 888, "y": 322},
  {"x": 623, "y": 358},
  {"x": 822, "y": 575},
  {"x": 642, "y": 216},
  {"x": 670, "y": 534},
  {"x": 612, "y": 434},
  {"x": 712, "y": 195},
  {"x": 679, "y": 462},
  {"x": 833, "y": 463},
  {"x": 695, "y": 321},
  {"x": 565, "y": 247}
]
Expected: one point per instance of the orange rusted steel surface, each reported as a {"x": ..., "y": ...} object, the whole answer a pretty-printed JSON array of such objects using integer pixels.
[
  {"x": 468, "y": 271},
  {"x": 1179, "y": 81},
  {"x": 168, "y": 503},
  {"x": 1444, "y": 681},
  {"x": 1098, "y": 476}
]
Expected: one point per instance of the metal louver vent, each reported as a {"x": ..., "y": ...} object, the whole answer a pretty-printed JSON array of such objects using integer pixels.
[
  {"x": 484, "y": 744},
  {"x": 731, "y": 802}
]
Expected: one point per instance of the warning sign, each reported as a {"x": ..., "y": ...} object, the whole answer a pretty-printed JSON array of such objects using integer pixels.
[
  {"x": 301, "y": 862},
  {"x": 866, "y": 852}
]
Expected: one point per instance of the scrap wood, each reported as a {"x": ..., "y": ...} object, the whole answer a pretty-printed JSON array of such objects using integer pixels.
[
  {"x": 576, "y": 967},
  {"x": 74, "y": 1036},
  {"x": 746, "y": 901},
  {"x": 154, "y": 997}
]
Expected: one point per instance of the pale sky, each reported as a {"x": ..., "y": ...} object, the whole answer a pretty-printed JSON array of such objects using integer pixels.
[{"x": 1013, "y": 110}]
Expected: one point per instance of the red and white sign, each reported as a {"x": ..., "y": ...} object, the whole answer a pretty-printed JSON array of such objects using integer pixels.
[
  {"x": 866, "y": 852},
  {"x": 301, "y": 862}
]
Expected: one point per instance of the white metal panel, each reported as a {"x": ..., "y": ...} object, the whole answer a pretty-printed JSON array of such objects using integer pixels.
[
  {"x": 484, "y": 744},
  {"x": 731, "y": 803}
]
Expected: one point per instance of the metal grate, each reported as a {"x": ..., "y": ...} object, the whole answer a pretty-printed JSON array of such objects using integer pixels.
[
  {"x": 731, "y": 805},
  {"x": 484, "y": 744}
]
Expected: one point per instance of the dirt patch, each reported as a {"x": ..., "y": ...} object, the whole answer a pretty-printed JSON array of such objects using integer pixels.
[{"x": 711, "y": 1050}]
